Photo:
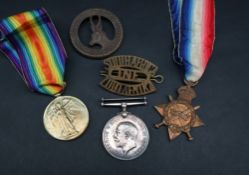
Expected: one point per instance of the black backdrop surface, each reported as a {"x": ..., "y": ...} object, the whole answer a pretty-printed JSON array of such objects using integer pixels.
[{"x": 221, "y": 147}]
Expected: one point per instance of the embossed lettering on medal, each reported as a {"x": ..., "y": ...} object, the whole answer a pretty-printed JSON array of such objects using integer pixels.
[{"x": 130, "y": 75}]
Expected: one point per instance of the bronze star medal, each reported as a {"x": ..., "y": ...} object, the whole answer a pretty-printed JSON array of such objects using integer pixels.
[{"x": 179, "y": 115}]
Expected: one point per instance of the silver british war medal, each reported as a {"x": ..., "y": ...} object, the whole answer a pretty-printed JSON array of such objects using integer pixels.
[{"x": 125, "y": 136}]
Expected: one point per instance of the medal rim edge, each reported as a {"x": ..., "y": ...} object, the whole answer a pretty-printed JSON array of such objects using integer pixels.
[
  {"x": 135, "y": 157},
  {"x": 77, "y": 136}
]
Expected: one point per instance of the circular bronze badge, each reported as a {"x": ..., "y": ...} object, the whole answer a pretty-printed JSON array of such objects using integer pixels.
[{"x": 98, "y": 37}]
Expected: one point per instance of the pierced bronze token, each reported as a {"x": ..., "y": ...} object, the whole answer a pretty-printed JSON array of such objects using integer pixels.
[
  {"x": 179, "y": 115},
  {"x": 130, "y": 75},
  {"x": 98, "y": 36}
]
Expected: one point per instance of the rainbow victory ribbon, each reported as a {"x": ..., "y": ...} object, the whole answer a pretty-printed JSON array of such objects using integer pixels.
[
  {"x": 32, "y": 44},
  {"x": 193, "y": 29}
]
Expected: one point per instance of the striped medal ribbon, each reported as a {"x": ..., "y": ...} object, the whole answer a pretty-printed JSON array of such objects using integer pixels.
[
  {"x": 193, "y": 29},
  {"x": 193, "y": 35},
  {"x": 31, "y": 42}
]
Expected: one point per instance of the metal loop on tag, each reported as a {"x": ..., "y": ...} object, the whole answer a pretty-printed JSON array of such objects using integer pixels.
[
  {"x": 157, "y": 78},
  {"x": 190, "y": 83},
  {"x": 1, "y": 36},
  {"x": 103, "y": 73},
  {"x": 130, "y": 75}
]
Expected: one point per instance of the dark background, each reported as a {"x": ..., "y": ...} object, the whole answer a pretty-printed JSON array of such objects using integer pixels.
[{"x": 220, "y": 148}]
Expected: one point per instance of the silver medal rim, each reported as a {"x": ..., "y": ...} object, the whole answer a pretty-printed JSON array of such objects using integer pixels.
[
  {"x": 137, "y": 155},
  {"x": 73, "y": 138}
]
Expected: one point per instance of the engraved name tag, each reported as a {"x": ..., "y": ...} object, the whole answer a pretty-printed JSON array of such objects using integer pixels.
[{"x": 130, "y": 75}]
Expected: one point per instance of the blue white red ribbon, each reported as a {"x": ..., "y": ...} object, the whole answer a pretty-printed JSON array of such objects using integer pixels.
[{"x": 193, "y": 29}]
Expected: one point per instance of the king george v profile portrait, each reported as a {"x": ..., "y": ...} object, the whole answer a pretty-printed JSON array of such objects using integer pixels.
[{"x": 125, "y": 136}]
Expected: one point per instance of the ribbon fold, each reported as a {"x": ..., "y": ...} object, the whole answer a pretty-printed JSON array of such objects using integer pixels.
[
  {"x": 32, "y": 44},
  {"x": 193, "y": 30}
]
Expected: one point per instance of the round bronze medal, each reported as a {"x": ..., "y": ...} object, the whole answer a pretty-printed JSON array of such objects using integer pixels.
[
  {"x": 180, "y": 115},
  {"x": 98, "y": 37},
  {"x": 66, "y": 118}
]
